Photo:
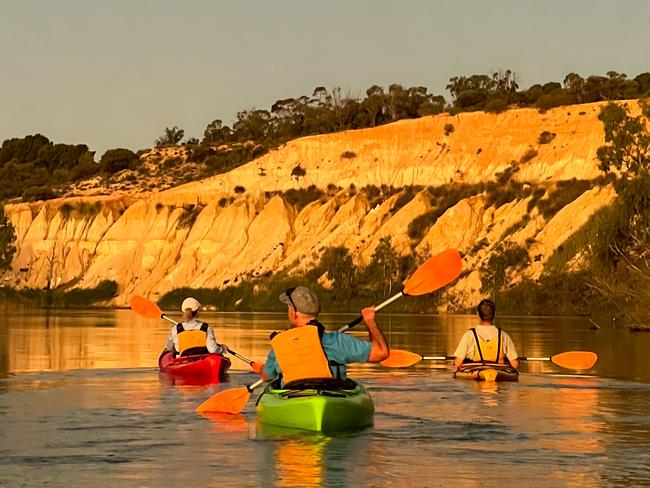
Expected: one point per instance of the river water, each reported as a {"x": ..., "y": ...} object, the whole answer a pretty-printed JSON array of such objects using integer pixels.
[{"x": 82, "y": 404}]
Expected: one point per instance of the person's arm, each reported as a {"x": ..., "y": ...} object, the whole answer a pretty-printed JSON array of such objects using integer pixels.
[
  {"x": 211, "y": 343},
  {"x": 511, "y": 353},
  {"x": 170, "y": 340},
  {"x": 457, "y": 363},
  {"x": 461, "y": 352},
  {"x": 379, "y": 349},
  {"x": 270, "y": 367}
]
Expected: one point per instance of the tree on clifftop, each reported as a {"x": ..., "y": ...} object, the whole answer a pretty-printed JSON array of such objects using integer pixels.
[
  {"x": 7, "y": 238},
  {"x": 627, "y": 141},
  {"x": 623, "y": 238},
  {"x": 170, "y": 137},
  {"x": 115, "y": 160}
]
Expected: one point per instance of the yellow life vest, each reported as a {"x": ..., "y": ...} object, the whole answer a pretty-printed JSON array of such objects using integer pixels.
[
  {"x": 192, "y": 341},
  {"x": 300, "y": 354},
  {"x": 488, "y": 351}
]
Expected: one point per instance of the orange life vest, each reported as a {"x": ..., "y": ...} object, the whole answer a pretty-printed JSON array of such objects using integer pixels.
[
  {"x": 488, "y": 351},
  {"x": 192, "y": 342},
  {"x": 300, "y": 354}
]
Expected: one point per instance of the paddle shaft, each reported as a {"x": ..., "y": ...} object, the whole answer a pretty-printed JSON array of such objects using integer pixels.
[
  {"x": 359, "y": 319},
  {"x": 451, "y": 358},
  {"x": 255, "y": 385},
  {"x": 238, "y": 356}
]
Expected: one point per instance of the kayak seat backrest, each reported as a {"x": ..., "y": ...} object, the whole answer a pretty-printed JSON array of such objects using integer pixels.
[
  {"x": 474, "y": 367},
  {"x": 321, "y": 384},
  {"x": 195, "y": 351}
]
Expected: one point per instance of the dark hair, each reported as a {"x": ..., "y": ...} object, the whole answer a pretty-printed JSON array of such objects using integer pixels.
[{"x": 486, "y": 310}]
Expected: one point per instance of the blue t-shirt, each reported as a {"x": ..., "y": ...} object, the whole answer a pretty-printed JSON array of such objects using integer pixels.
[{"x": 339, "y": 347}]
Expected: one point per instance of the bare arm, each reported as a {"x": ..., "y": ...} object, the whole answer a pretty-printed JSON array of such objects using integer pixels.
[
  {"x": 457, "y": 363},
  {"x": 263, "y": 375},
  {"x": 379, "y": 347},
  {"x": 460, "y": 354},
  {"x": 511, "y": 352}
]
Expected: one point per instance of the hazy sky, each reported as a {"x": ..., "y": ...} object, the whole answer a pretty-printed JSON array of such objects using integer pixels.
[{"x": 115, "y": 73}]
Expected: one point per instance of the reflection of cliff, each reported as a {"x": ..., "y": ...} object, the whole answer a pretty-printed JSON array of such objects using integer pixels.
[
  {"x": 35, "y": 341},
  {"x": 188, "y": 236},
  {"x": 80, "y": 341}
]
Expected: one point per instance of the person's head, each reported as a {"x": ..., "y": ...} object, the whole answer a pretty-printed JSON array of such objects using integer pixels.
[
  {"x": 302, "y": 305},
  {"x": 486, "y": 310},
  {"x": 190, "y": 308}
]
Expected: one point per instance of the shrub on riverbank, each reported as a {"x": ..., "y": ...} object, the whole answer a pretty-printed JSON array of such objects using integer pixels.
[
  {"x": 352, "y": 287},
  {"x": 75, "y": 298}
]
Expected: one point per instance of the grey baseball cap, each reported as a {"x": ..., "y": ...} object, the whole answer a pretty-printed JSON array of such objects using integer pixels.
[{"x": 302, "y": 299}]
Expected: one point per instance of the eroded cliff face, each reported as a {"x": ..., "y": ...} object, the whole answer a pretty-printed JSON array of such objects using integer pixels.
[{"x": 187, "y": 236}]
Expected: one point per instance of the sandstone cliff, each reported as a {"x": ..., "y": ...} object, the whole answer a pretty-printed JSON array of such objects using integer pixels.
[{"x": 191, "y": 236}]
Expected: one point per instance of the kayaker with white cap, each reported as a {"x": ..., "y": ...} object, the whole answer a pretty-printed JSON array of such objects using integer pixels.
[
  {"x": 193, "y": 336},
  {"x": 307, "y": 352}
]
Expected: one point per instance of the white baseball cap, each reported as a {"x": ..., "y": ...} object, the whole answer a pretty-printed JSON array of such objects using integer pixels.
[{"x": 191, "y": 303}]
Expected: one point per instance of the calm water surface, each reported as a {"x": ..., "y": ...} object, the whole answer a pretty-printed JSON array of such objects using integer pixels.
[{"x": 82, "y": 404}]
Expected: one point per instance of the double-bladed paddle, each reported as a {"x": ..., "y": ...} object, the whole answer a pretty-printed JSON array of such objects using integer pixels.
[
  {"x": 433, "y": 274},
  {"x": 148, "y": 309},
  {"x": 578, "y": 360}
]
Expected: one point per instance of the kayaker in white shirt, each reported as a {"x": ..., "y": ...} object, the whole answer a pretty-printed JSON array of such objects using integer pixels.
[
  {"x": 196, "y": 337},
  {"x": 482, "y": 344}
]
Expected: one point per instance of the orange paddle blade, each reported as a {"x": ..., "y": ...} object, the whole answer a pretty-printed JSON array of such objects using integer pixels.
[
  {"x": 575, "y": 359},
  {"x": 145, "y": 307},
  {"x": 436, "y": 272},
  {"x": 257, "y": 367},
  {"x": 230, "y": 401},
  {"x": 399, "y": 358}
]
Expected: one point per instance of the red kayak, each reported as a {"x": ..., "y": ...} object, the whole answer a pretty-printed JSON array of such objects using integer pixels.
[{"x": 201, "y": 369}]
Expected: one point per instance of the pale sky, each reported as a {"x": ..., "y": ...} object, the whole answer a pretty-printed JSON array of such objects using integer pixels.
[{"x": 116, "y": 73}]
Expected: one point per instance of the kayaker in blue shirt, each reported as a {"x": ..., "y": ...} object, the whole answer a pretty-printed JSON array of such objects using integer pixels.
[
  {"x": 193, "y": 336},
  {"x": 303, "y": 345}
]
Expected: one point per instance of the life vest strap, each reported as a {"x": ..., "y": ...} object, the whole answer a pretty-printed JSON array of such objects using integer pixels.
[
  {"x": 478, "y": 344},
  {"x": 480, "y": 352}
]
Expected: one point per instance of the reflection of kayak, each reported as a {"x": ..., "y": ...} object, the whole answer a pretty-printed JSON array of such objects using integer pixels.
[
  {"x": 317, "y": 406},
  {"x": 199, "y": 369},
  {"x": 486, "y": 372}
]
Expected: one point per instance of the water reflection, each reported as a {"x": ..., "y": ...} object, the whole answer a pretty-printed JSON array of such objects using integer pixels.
[
  {"x": 302, "y": 459},
  {"x": 107, "y": 339},
  {"x": 117, "y": 421}
]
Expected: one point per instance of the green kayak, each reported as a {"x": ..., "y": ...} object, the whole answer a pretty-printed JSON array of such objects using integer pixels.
[{"x": 317, "y": 405}]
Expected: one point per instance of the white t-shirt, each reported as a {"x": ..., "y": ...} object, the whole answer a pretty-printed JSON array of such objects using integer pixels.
[
  {"x": 465, "y": 349},
  {"x": 194, "y": 324}
]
